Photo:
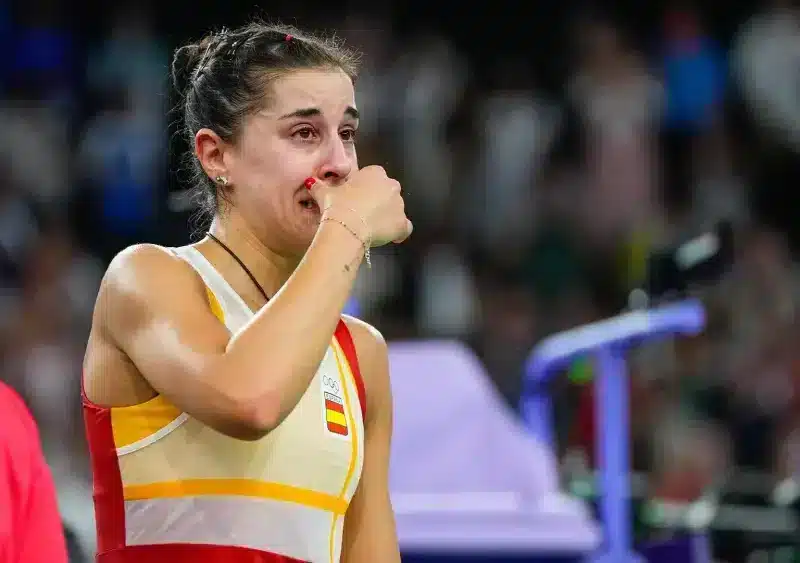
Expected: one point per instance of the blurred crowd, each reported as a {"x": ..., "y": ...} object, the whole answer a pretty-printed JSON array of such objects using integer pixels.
[{"x": 534, "y": 209}]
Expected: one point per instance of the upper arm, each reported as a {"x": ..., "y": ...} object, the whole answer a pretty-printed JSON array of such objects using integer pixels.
[
  {"x": 369, "y": 530},
  {"x": 153, "y": 308}
]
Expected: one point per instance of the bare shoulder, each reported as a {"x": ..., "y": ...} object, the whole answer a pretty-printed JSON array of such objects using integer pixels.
[
  {"x": 140, "y": 275},
  {"x": 142, "y": 255},
  {"x": 147, "y": 295},
  {"x": 142, "y": 264},
  {"x": 365, "y": 336},
  {"x": 373, "y": 360}
]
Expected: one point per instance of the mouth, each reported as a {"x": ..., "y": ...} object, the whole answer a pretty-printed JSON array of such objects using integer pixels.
[{"x": 309, "y": 205}]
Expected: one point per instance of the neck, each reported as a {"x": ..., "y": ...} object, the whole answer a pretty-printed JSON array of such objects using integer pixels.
[{"x": 270, "y": 268}]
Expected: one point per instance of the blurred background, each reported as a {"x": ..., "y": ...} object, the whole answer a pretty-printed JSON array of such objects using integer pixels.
[{"x": 544, "y": 149}]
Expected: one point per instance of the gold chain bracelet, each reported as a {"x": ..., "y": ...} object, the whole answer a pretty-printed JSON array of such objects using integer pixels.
[{"x": 364, "y": 243}]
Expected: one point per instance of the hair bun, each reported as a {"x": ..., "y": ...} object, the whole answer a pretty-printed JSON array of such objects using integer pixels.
[{"x": 185, "y": 62}]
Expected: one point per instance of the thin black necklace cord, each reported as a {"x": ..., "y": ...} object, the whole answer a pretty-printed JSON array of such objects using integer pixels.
[{"x": 238, "y": 261}]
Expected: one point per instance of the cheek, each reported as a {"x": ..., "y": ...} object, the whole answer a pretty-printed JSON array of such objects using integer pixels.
[
  {"x": 283, "y": 163},
  {"x": 259, "y": 160},
  {"x": 259, "y": 175}
]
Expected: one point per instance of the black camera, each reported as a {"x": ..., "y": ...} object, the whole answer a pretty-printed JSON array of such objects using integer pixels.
[{"x": 694, "y": 263}]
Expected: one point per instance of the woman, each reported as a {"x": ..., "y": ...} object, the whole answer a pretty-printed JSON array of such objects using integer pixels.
[{"x": 225, "y": 407}]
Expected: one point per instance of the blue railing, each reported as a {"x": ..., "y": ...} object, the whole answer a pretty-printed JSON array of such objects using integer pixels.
[{"x": 607, "y": 342}]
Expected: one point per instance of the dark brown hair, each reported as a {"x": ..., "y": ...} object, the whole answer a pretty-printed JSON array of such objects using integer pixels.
[{"x": 225, "y": 76}]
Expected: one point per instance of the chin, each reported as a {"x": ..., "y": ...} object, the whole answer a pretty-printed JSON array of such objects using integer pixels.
[
  {"x": 302, "y": 239},
  {"x": 304, "y": 228}
]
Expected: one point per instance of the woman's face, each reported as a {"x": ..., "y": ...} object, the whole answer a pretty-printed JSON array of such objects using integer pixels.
[{"x": 306, "y": 129}]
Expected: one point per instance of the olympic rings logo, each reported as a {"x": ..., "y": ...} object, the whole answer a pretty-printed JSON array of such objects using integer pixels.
[{"x": 331, "y": 383}]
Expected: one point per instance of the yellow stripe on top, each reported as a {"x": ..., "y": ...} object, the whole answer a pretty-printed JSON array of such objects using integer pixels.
[
  {"x": 137, "y": 422},
  {"x": 216, "y": 308},
  {"x": 347, "y": 375},
  {"x": 353, "y": 441},
  {"x": 237, "y": 487}
]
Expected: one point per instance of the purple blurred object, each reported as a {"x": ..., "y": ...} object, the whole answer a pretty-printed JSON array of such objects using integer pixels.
[
  {"x": 465, "y": 475},
  {"x": 352, "y": 307}
]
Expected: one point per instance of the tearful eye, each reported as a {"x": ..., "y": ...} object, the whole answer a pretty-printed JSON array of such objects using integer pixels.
[
  {"x": 304, "y": 134},
  {"x": 348, "y": 135}
]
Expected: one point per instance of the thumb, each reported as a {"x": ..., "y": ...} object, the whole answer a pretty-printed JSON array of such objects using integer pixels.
[{"x": 319, "y": 191}]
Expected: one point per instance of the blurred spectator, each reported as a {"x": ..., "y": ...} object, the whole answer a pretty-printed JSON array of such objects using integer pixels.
[
  {"x": 766, "y": 61},
  {"x": 43, "y": 60},
  {"x": 34, "y": 147},
  {"x": 131, "y": 61},
  {"x": 18, "y": 231},
  {"x": 695, "y": 74},
  {"x": 620, "y": 104},
  {"x": 121, "y": 157},
  {"x": 719, "y": 192},
  {"x": 507, "y": 332},
  {"x": 516, "y": 126},
  {"x": 378, "y": 75},
  {"x": 448, "y": 301},
  {"x": 690, "y": 456},
  {"x": 30, "y": 526},
  {"x": 434, "y": 76}
]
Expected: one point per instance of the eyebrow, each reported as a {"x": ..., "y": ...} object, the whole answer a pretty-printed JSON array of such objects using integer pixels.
[{"x": 350, "y": 111}]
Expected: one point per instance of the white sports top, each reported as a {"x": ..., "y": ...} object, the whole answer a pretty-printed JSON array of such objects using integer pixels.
[{"x": 169, "y": 488}]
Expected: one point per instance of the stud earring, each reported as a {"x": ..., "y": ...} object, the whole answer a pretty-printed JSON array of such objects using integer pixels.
[{"x": 222, "y": 181}]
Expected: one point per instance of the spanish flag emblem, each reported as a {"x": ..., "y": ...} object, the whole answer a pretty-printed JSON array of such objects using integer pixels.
[{"x": 334, "y": 415}]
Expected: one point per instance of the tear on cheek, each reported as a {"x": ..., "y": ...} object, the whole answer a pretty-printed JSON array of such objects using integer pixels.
[{"x": 310, "y": 205}]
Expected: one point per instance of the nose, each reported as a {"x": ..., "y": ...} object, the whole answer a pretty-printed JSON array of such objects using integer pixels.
[{"x": 337, "y": 162}]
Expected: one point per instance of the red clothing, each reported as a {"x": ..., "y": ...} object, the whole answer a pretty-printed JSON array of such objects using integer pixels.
[{"x": 30, "y": 524}]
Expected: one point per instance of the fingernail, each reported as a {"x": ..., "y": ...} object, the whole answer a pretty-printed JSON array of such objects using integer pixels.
[{"x": 309, "y": 183}]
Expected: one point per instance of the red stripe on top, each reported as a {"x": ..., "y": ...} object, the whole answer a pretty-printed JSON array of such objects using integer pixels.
[
  {"x": 109, "y": 504},
  {"x": 191, "y": 553},
  {"x": 345, "y": 340}
]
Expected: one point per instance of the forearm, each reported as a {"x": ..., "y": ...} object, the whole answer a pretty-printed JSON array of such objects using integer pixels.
[{"x": 275, "y": 356}]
